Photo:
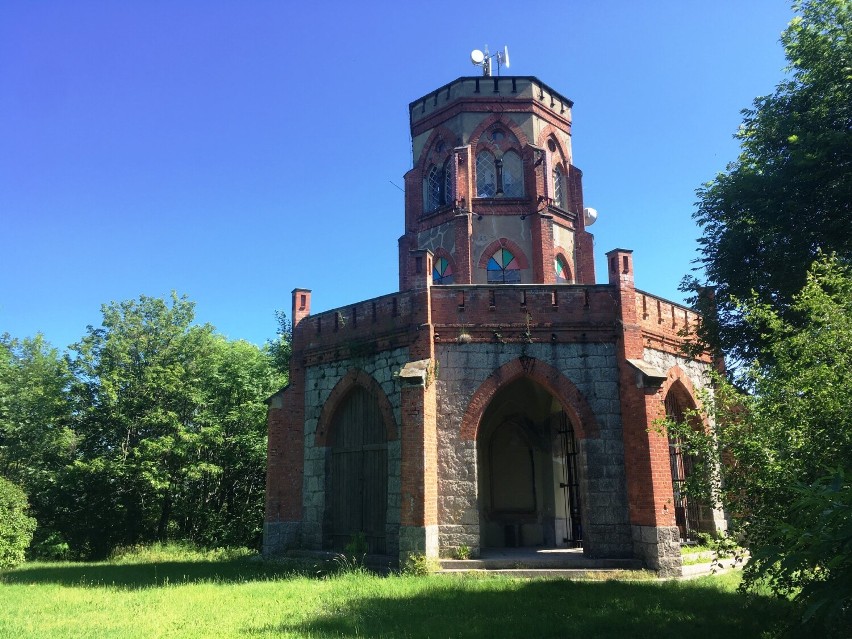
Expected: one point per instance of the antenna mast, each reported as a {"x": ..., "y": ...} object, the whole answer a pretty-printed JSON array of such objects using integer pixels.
[{"x": 483, "y": 59}]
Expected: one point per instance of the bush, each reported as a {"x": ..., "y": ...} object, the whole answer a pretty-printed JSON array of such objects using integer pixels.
[
  {"x": 419, "y": 564},
  {"x": 16, "y": 527}
]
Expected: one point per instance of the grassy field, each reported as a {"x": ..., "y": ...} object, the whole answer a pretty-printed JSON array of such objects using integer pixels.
[{"x": 156, "y": 594}]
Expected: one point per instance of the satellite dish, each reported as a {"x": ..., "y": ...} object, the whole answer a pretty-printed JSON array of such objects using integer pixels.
[
  {"x": 589, "y": 216},
  {"x": 506, "y": 57},
  {"x": 476, "y": 56}
]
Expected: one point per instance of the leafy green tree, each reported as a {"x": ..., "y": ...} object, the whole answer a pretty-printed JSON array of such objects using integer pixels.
[
  {"x": 171, "y": 431},
  {"x": 783, "y": 464},
  {"x": 36, "y": 430},
  {"x": 789, "y": 194},
  {"x": 16, "y": 526}
]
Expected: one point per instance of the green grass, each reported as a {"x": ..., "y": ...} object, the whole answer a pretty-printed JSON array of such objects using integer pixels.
[{"x": 159, "y": 593}]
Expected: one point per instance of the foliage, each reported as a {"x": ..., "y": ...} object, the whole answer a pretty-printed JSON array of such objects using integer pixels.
[
  {"x": 463, "y": 552},
  {"x": 777, "y": 444},
  {"x": 36, "y": 428},
  {"x": 152, "y": 428},
  {"x": 789, "y": 194},
  {"x": 419, "y": 564},
  {"x": 16, "y": 526},
  {"x": 280, "y": 348}
]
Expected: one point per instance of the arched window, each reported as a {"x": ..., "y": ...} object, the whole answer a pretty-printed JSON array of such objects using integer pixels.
[
  {"x": 486, "y": 175},
  {"x": 503, "y": 268},
  {"x": 513, "y": 175},
  {"x": 563, "y": 271},
  {"x": 442, "y": 271},
  {"x": 433, "y": 188},
  {"x": 559, "y": 188}
]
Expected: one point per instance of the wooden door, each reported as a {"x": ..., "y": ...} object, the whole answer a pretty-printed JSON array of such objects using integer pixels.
[{"x": 358, "y": 482}]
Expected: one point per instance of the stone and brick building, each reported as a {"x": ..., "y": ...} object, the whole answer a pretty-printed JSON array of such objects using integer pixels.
[{"x": 501, "y": 397}]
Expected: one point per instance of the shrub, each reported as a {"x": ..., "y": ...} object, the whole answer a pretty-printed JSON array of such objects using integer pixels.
[
  {"x": 16, "y": 527},
  {"x": 419, "y": 564}
]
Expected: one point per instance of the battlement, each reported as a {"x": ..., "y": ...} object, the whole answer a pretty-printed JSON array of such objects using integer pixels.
[
  {"x": 664, "y": 322},
  {"x": 525, "y": 88}
]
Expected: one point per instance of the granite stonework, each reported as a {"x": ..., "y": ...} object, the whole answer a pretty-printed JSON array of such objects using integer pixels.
[
  {"x": 592, "y": 369},
  {"x": 658, "y": 548},
  {"x": 320, "y": 380}
]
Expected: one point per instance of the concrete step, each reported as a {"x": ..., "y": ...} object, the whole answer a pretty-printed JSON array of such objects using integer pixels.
[
  {"x": 596, "y": 574},
  {"x": 532, "y": 562}
]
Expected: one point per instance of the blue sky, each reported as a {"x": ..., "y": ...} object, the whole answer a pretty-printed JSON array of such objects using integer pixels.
[{"x": 233, "y": 151}]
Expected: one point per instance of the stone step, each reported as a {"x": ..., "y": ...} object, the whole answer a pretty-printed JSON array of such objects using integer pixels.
[
  {"x": 540, "y": 563},
  {"x": 595, "y": 574}
]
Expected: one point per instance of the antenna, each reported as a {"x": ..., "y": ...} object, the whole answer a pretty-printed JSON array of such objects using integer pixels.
[{"x": 483, "y": 59}]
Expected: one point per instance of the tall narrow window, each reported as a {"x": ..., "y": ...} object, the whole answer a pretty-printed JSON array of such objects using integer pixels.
[
  {"x": 442, "y": 271},
  {"x": 503, "y": 268},
  {"x": 448, "y": 192},
  {"x": 486, "y": 175},
  {"x": 434, "y": 180},
  {"x": 559, "y": 188},
  {"x": 513, "y": 175}
]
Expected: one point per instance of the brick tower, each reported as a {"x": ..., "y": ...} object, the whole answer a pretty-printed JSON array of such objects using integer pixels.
[{"x": 493, "y": 177}]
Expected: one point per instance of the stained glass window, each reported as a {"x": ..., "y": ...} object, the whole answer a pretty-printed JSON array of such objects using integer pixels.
[
  {"x": 513, "y": 175},
  {"x": 559, "y": 188},
  {"x": 486, "y": 175},
  {"x": 563, "y": 272},
  {"x": 503, "y": 268},
  {"x": 442, "y": 272}
]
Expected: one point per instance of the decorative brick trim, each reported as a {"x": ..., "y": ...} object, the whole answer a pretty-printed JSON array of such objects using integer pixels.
[
  {"x": 355, "y": 377},
  {"x": 677, "y": 381},
  {"x": 549, "y": 132},
  {"x": 487, "y": 123},
  {"x": 503, "y": 243},
  {"x": 568, "y": 262},
  {"x": 562, "y": 388},
  {"x": 428, "y": 155}
]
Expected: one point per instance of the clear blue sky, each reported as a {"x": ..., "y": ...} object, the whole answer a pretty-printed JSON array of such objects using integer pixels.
[{"x": 233, "y": 151}]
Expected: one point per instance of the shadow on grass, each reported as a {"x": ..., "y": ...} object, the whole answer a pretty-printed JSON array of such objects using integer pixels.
[
  {"x": 551, "y": 609},
  {"x": 152, "y": 574}
]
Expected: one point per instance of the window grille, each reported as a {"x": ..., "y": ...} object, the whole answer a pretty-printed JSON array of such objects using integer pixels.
[
  {"x": 513, "y": 175},
  {"x": 559, "y": 188},
  {"x": 486, "y": 175},
  {"x": 433, "y": 188}
]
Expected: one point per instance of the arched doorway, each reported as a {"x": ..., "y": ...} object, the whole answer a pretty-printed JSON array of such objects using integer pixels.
[
  {"x": 357, "y": 484},
  {"x": 690, "y": 514},
  {"x": 527, "y": 471}
]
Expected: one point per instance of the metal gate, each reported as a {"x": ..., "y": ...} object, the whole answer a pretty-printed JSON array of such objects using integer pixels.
[
  {"x": 570, "y": 483},
  {"x": 686, "y": 510},
  {"x": 359, "y": 494}
]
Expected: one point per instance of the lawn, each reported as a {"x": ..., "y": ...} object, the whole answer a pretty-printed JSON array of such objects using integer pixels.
[{"x": 151, "y": 595}]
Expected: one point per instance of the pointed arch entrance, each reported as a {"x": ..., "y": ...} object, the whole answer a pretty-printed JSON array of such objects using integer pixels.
[
  {"x": 691, "y": 516},
  {"x": 528, "y": 471},
  {"x": 357, "y": 478}
]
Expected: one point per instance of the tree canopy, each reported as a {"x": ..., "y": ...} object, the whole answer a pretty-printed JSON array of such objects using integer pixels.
[
  {"x": 150, "y": 428},
  {"x": 789, "y": 194}
]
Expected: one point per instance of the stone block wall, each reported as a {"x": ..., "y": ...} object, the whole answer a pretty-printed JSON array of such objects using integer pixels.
[
  {"x": 591, "y": 367},
  {"x": 320, "y": 380}
]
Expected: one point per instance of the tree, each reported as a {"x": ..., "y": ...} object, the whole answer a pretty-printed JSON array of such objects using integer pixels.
[
  {"x": 784, "y": 450},
  {"x": 36, "y": 431},
  {"x": 171, "y": 431},
  {"x": 789, "y": 194},
  {"x": 16, "y": 526}
]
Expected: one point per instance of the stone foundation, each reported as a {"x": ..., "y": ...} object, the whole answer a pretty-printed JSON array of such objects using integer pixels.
[
  {"x": 281, "y": 536},
  {"x": 658, "y": 548}
]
